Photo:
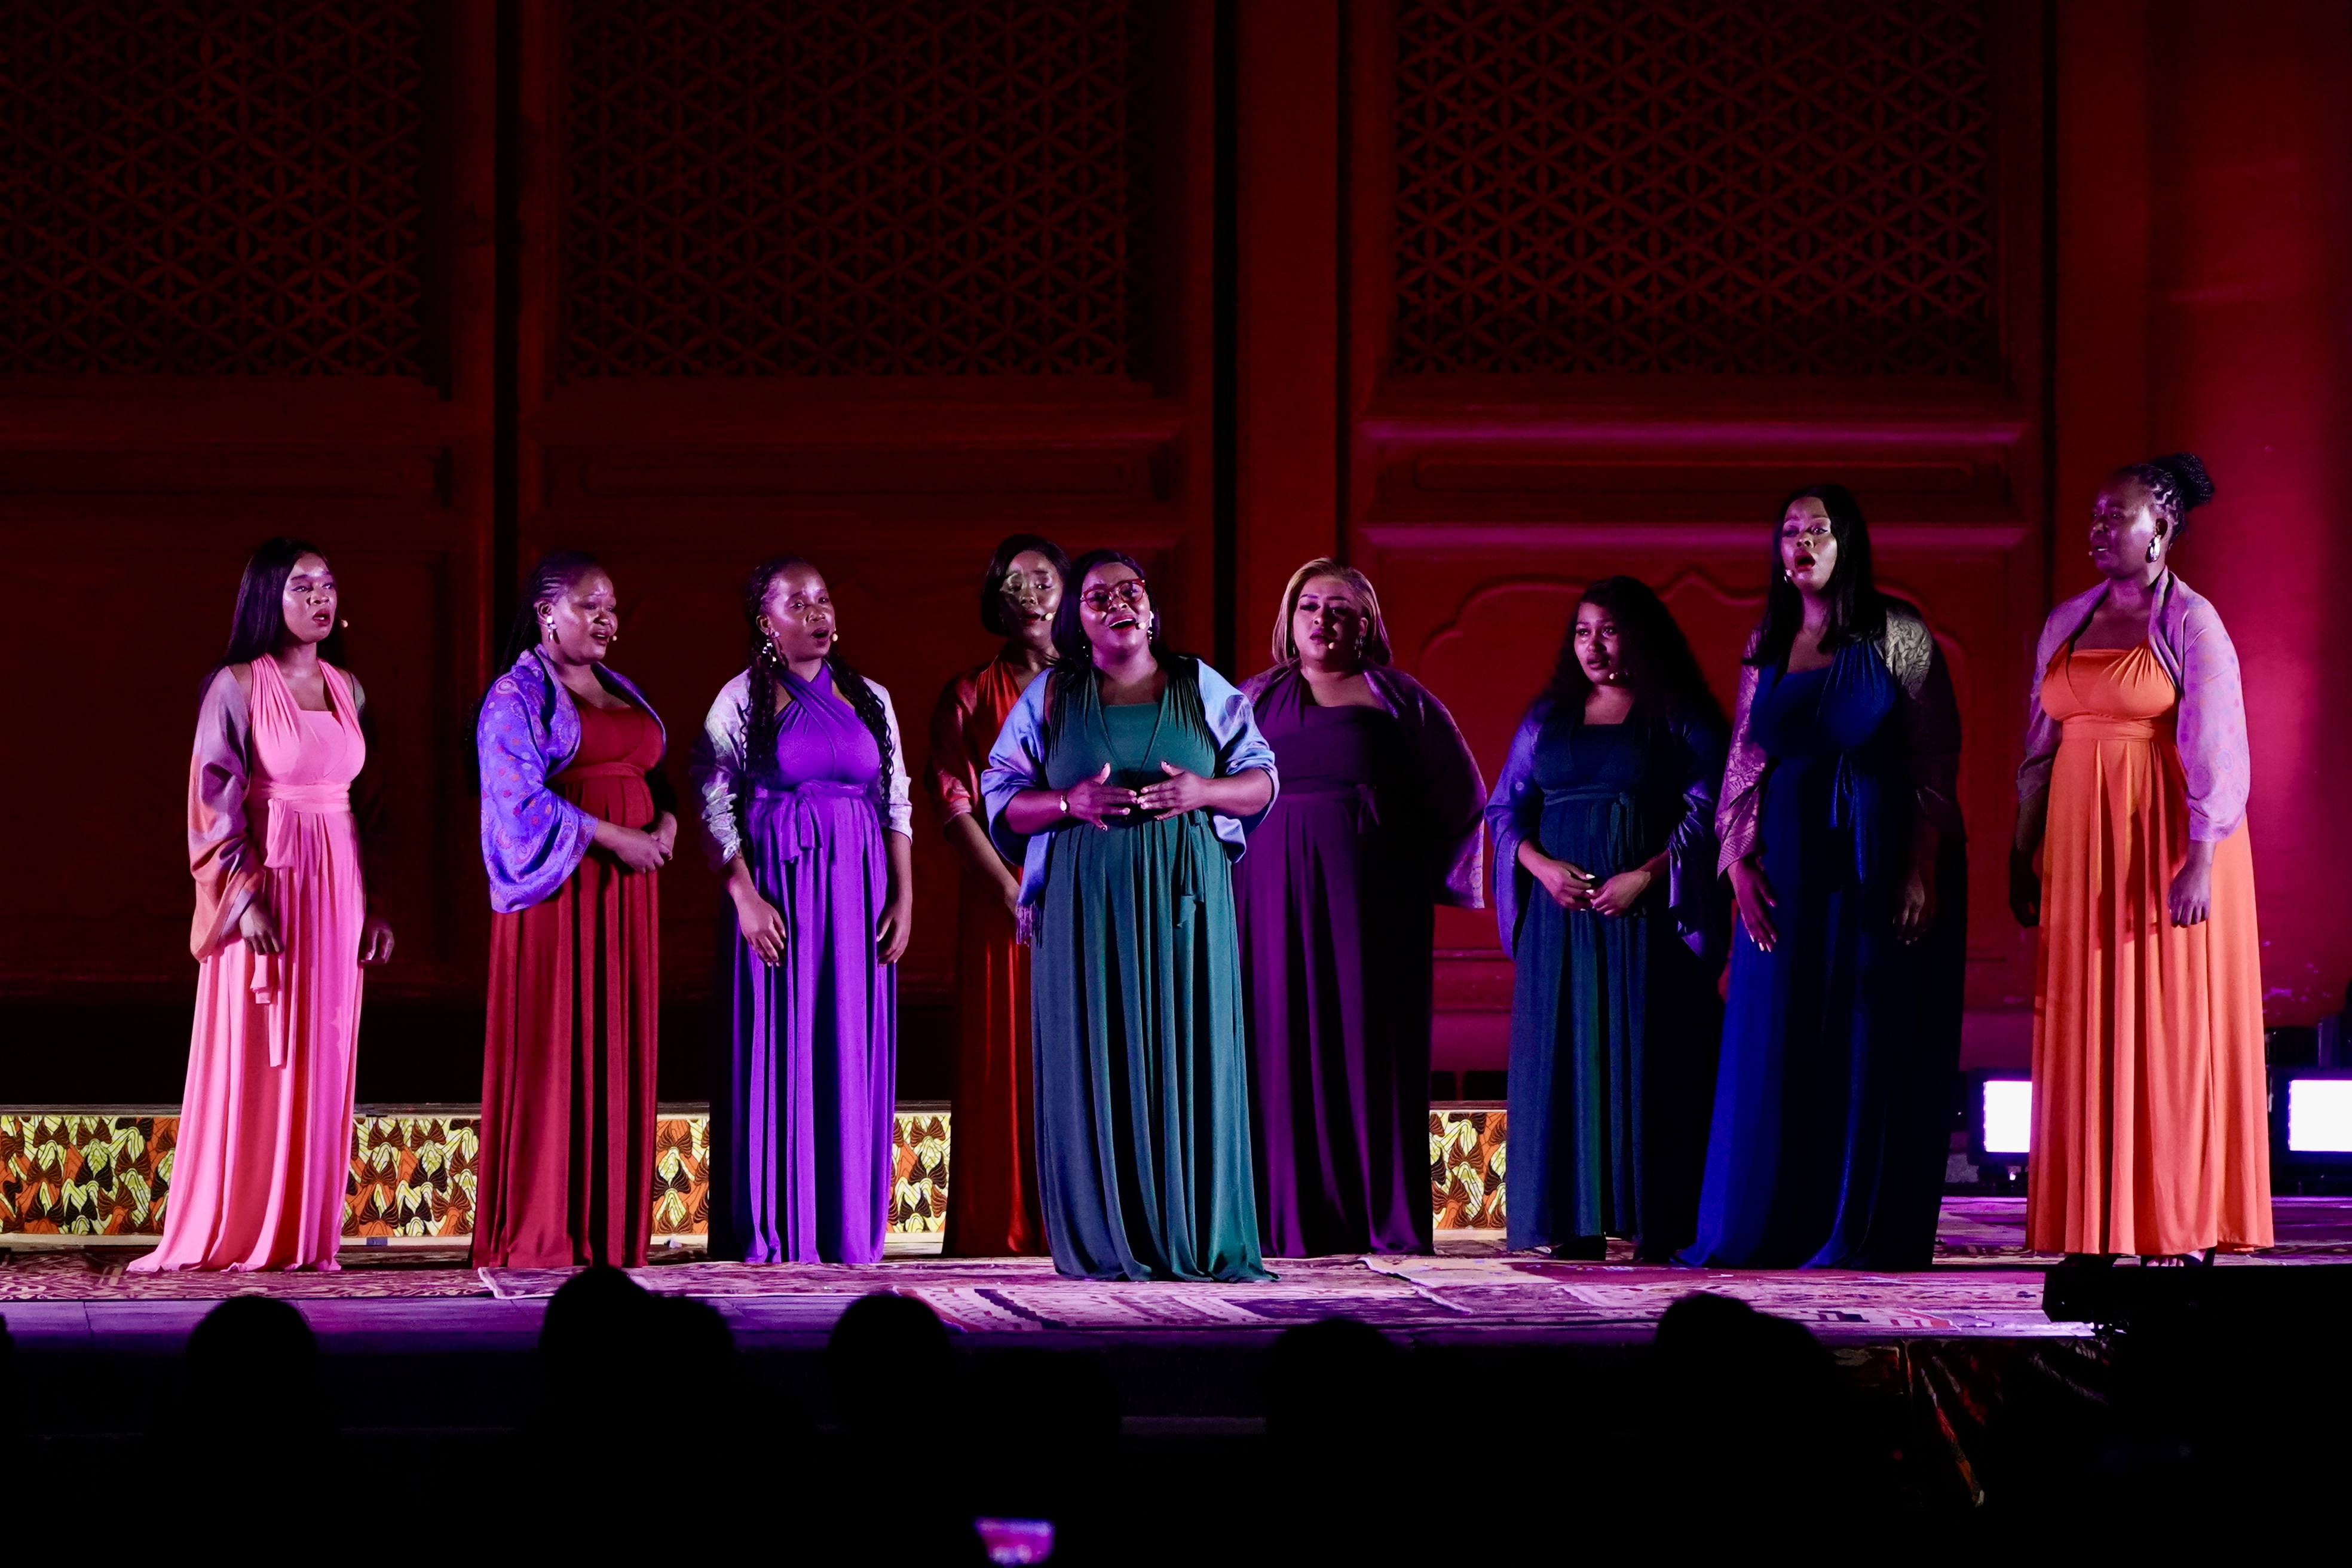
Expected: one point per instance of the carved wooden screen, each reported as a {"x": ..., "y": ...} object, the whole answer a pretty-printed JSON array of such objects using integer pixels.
[
  {"x": 875, "y": 282},
  {"x": 1627, "y": 274},
  {"x": 242, "y": 292}
]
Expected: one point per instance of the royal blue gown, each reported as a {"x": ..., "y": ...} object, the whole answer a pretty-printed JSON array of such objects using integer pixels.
[{"x": 1833, "y": 1094}]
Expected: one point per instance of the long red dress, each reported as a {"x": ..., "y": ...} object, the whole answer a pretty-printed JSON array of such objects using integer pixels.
[
  {"x": 565, "y": 1174},
  {"x": 992, "y": 1193}
]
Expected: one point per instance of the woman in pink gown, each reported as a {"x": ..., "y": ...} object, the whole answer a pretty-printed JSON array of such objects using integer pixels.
[{"x": 283, "y": 925}]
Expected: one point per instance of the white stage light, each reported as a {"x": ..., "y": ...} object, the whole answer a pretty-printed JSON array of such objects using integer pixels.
[
  {"x": 2007, "y": 1116},
  {"x": 2319, "y": 1115}
]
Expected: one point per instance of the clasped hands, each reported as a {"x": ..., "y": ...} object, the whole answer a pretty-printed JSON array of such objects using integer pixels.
[
  {"x": 1572, "y": 886},
  {"x": 1101, "y": 802}
]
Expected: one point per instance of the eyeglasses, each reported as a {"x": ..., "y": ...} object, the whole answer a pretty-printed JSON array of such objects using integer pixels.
[
  {"x": 1015, "y": 585},
  {"x": 1129, "y": 591}
]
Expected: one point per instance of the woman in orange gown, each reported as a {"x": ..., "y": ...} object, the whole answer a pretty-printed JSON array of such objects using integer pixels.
[
  {"x": 992, "y": 1176},
  {"x": 2150, "y": 1133},
  {"x": 284, "y": 922}
]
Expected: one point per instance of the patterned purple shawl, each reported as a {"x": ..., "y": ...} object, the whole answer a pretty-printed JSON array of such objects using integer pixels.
[{"x": 532, "y": 838}]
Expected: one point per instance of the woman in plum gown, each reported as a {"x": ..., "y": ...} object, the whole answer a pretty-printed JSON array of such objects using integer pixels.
[
  {"x": 285, "y": 921},
  {"x": 1842, "y": 835},
  {"x": 2148, "y": 1096},
  {"x": 1377, "y": 825},
  {"x": 577, "y": 820},
  {"x": 801, "y": 780}
]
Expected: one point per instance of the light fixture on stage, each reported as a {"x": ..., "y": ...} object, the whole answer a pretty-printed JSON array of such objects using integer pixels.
[
  {"x": 1016, "y": 1541},
  {"x": 2000, "y": 1117},
  {"x": 2311, "y": 1116}
]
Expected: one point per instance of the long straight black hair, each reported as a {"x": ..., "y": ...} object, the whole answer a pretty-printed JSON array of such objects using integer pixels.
[
  {"x": 760, "y": 740},
  {"x": 1857, "y": 609},
  {"x": 259, "y": 619},
  {"x": 1660, "y": 668}
]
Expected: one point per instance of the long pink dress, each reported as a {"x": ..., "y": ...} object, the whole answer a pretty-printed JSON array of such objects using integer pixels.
[{"x": 265, "y": 1143}]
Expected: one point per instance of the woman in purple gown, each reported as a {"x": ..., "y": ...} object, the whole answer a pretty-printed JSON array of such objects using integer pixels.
[
  {"x": 1377, "y": 824},
  {"x": 802, "y": 782}
]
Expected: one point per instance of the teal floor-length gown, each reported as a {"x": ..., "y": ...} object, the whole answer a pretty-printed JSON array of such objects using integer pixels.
[{"x": 1142, "y": 1074}]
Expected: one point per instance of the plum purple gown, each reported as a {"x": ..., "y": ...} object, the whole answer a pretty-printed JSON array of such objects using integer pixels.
[
  {"x": 1376, "y": 822},
  {"x": 801, "y": 1111}
]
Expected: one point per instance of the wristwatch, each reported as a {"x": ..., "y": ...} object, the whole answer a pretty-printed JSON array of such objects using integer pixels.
[{"x": 1065, "y": 805}]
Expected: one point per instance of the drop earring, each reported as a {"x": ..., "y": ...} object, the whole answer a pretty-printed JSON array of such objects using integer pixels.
[{"x": 2155, "y": 549}]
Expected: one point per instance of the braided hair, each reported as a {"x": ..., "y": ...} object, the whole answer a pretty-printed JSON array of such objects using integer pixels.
[
  {"x": 766, "y": 663},
  {"x": 2177, "y": 484},
  {"x": 550, "y": 579}
]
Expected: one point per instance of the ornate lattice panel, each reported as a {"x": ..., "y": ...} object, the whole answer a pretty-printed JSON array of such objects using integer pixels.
[
  {"x": 754, "y": 187},
  {"x": 201, "y": 186},
  {"x": 1694, "y": 185}
]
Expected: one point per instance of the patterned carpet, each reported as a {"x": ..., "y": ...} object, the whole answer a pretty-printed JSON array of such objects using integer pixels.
[{"x": 1986, "y": 1284}]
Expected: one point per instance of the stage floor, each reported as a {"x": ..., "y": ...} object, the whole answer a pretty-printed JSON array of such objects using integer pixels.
[{"x": 1985, "y": 1284}]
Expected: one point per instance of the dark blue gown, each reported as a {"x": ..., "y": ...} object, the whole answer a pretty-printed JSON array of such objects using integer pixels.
[
  {"x": 1831, "y": 1105},
  {"x": 1614, "y": 1018}
]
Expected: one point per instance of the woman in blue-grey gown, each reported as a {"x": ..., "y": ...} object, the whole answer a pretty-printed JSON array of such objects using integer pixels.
[{"x": 1605, "y": 886}]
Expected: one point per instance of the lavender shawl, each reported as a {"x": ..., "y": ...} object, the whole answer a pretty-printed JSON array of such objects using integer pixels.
[
  {"x": 532, "y": 838},
  {"x": 1446, "y": 785},
  {"x": 1515, "y": 811},
  {"x": 1017, "y": 762},
  {"x": 2186, "y": 632},
  {"x": 1929, "y": 714}
]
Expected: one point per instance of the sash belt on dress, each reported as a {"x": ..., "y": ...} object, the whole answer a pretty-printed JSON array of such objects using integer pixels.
[
  {"x": 2097, "y": 728},
  {"x": 1367, "y": 812},
  {"x": 285, "y": 802},
  {"x": 801, "y": 828}
]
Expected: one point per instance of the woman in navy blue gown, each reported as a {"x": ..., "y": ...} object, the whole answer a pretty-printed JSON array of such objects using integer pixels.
[{"x": 1842, "y": 836}]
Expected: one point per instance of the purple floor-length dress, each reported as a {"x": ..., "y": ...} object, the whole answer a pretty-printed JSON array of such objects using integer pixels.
[
  {"x": 1377, "y": 821},
  {"x": 801, "y": 1111}
]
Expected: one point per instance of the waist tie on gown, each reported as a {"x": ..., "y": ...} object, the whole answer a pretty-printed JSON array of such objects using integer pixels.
[
  {"x": 622, "y": 769},
  {"x": 1365, "y": 811},
  {"x": 795, "y": 803},
  {"x": 287, "y": 802},
  {"x": 1624, "y": 835},
  {"x": 2095, "y": 727},
  {"x": 1854, "y": 805}
]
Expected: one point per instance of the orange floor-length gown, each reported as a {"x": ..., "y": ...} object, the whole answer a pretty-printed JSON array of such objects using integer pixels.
[
  {"x": 992, "y": 1203},
  {"x": 2150, "y": 1133}
]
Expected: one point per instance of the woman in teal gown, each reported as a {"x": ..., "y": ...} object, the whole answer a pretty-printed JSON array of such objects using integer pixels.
[
  {"x": 1124, "y": 784},
  {"x": 1605, "y": 887}
]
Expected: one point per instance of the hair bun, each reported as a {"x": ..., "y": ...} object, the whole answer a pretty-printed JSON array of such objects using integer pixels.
[{"x": 2188, "y": 477}]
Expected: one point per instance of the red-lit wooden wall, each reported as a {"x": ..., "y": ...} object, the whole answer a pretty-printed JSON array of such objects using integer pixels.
[{"x": 1490, "y": 298}]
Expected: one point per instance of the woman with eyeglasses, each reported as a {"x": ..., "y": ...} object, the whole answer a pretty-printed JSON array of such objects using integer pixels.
[
  {"x": 995, "y": 1209},
  {"x": 1124, "y": 784},
  {"x": 2148, "y": 1099},
  {"x": 1378, "y": 824},
  {"x": 1841, "y": 833}
]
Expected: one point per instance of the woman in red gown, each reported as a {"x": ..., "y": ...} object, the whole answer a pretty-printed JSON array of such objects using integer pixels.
[
  {"x": 992, "y": 1191},
  {"x": 576, "y": 817}
]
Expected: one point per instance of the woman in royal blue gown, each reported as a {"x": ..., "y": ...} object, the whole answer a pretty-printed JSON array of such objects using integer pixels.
[{"x": 1842, "y": 835}]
